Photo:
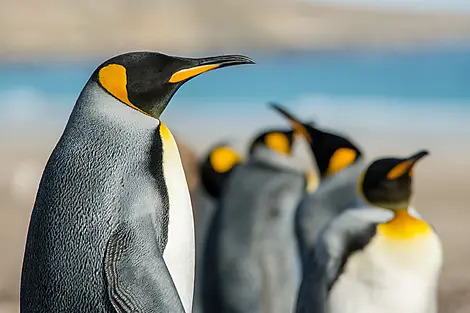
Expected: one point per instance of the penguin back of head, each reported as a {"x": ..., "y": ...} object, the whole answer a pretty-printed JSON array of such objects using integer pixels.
[{"x": 217, "y": 167}]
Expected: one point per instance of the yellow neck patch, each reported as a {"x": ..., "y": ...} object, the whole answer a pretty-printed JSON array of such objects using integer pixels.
[
  {"x": 113, "y": 78},
  {"x": 278, "y": 142},
  {"x": 400, "y": 169},
  {"x": 312, "y": 181},
  {"x": 223, "y": 159},
  {"x": 191, "y": 72},
  {"x": 342, "y": 158},
  {"x": 404, "y": 226},
  {"x": 165, "y": 133}
]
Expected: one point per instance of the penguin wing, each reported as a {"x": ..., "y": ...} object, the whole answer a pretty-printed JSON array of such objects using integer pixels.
[
  {"x": 311, "y": 215},
  {"x": 137, "y": 277},
  {"x": 350, "y": 231}
]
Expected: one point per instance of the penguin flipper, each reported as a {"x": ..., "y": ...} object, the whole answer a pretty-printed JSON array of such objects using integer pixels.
[
  {"x": 352, "y": 230},
  {"x": 137, "y": 277}
]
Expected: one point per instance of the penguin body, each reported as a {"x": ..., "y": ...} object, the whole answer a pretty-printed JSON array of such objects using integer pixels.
[
  {"x": 340, "y": 164},
  {"x": 250, "y": 253},
  {"x": 381, "y": 257},
  {"x": 111, "y": 229},
  {"x": 215, "y": 170}
]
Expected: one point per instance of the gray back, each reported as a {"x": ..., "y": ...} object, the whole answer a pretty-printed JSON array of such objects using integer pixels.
[
  {"x": 334, "y": 195},
  {"x": 256, "y": 249}
]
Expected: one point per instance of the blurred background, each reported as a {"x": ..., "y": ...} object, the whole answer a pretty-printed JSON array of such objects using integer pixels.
[{"x": 392, "y": 74}]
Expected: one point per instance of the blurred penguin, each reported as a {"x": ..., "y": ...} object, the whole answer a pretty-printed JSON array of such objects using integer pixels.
[
  {"x": 214, "y": 171},
  {"x": 340, "y": 163},
  {"x": 382, "y": 257},
  {"x": 250, "y": 253}
]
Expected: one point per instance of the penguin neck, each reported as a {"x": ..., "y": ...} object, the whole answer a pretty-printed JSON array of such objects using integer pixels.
[
  {"x": 396, "y": 206},
  {"x": 96, "y": 105},
  {"x": 274, "y": 159}
]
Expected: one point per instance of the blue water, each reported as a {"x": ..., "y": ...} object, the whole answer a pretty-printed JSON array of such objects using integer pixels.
[
  {"x": 436, "y": 75},
  {"x": 421, "y": 91}
]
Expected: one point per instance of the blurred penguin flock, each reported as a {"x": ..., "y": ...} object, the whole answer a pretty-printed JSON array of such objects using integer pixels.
[{"x": 261, "y": 199}]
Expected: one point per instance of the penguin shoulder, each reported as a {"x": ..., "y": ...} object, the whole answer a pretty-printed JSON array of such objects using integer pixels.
[{"x": 349, "y": 232}]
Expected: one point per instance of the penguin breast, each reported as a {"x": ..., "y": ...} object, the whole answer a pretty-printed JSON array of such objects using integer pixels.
[{"x": 179, "y": 252}]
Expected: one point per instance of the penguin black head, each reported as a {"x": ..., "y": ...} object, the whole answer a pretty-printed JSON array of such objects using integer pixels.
[
  {"x": 387, "y": 182},
  {"x": 217, "y": 167},
  {"x": 146, "y": 81},
  {"x": 332, "y": 152},
  {"x": 278, "y": 140}
]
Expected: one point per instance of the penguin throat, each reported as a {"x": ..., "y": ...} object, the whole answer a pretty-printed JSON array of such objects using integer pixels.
[
  {"x": 394, "y": 206},
  {"x": 403, "y": 226},
  {"x": 270, "y": 157}
]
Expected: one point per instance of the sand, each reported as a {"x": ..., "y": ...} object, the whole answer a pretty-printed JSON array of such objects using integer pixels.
[
  {"x": 92, "y": 29},
  {"x": 441, "y": 194}
]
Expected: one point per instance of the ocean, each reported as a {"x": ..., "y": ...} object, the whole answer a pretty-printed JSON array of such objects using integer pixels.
[{"x": 425, "y": 91}]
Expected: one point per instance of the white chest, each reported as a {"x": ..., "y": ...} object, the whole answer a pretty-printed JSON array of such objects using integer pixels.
[
  {"x": 179, "y": 251},
  {"x": 390, "y": 277}
]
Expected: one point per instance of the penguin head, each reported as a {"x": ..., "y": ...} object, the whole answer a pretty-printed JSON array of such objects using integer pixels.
[
  {"x": 146, "y": 81},
  {"x": 332, "y": 152},
  {"x": 279, "y": 141},
  {"x": 217, "y": 166},
  {"x": 387, "y": 182}
]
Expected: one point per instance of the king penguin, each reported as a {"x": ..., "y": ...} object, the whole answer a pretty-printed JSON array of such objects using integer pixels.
[
  {"x": 250, "y": 263},
  {"x": 340, "y": 163},
  {"x": 214, "y": 171},
  {"x": 112, "y": 227},
  {"x": 382, "y": 257}
]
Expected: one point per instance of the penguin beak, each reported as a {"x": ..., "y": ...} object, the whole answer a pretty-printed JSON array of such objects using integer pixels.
[
  {"x": 298, "y": 127},
  {"x": 406, "y": 166},
  {"x": 418, "y": 156},
  {"x": 202, "y": 65}
]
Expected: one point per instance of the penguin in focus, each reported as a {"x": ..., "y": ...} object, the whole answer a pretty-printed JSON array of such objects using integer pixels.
[
  {"x": 214, "y": 171},
  {"x": 340, "y": 163},
  {"x": 112, "y": 227},
  {"x": 250, "y": 259},
  {"x": 383, "y": 257}
]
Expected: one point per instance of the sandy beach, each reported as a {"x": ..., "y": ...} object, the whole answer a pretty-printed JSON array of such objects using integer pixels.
[
  {"x": 441, "y": 195},
  {"x": 191, "y": 27}
]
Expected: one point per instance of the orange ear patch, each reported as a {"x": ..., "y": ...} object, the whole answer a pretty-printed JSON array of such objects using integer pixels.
[
  {"x": 278, "y": 142},
  {"x": 113, "y": 78},
  {"x": 342, "y": 158},
  {"x": 223, "y": 159}
]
